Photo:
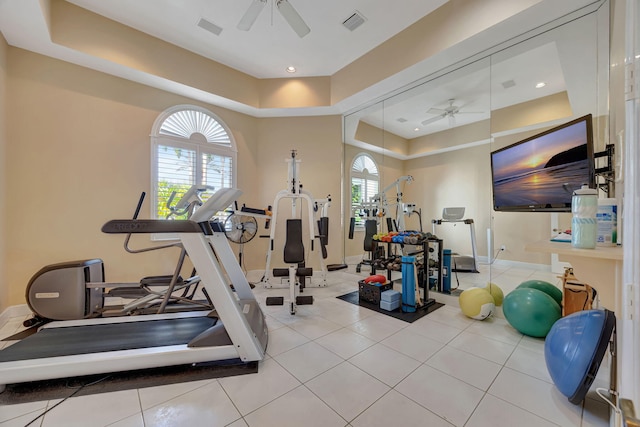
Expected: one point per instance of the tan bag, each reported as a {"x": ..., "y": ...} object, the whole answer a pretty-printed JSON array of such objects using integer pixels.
[{"x": 576, "y": 295}]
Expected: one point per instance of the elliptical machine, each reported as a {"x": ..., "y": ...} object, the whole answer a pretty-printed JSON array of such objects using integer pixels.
[{"x": 76, "y": 289}]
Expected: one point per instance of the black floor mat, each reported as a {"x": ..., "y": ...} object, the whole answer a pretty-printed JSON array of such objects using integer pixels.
[
  {"x": 354, "y": 298},
  {"x": 37, "y": 391}
]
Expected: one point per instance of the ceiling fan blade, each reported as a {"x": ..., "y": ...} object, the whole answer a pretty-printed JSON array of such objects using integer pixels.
[
  {"x": 250, "y": 16},
  {"x": 292, "y": 17},
  {"x": 433, "y": 119},
  {"x": 436, "y": 111}
]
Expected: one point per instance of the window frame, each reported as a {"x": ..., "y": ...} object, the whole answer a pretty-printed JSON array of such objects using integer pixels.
[
  {"x": 366, "y": 176},
  {"x": 196, "y": 142}
]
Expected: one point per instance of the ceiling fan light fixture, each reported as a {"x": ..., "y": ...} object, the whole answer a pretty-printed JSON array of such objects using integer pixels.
[
  {"x": 292, "y": 17},
  {"x": 250, "y": 16}
]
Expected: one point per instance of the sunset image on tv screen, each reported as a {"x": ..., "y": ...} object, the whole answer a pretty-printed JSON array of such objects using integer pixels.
[{"x": 542, "y": 171}]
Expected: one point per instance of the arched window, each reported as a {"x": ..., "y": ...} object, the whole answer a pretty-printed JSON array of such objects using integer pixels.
[
  {"x": 365, "y": 183},
  {"x": 190, "y": 145}
]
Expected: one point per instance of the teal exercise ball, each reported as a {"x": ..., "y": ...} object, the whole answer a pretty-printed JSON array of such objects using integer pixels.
[
  {"x": 531, "y": 311},
  {"x": 545, "y": 287}
]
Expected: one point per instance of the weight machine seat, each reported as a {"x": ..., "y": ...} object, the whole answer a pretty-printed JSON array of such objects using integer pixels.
[
  {"x": 293, "y": 247},
  {"x": 370, "y": 228},
  {"x": 300, "y": 272}
]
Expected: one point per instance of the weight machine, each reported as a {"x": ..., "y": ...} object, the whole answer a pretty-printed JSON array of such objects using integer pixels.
[
  {"x": 379, "y": 207},
  {"x": 294, "y": 250},
  {"x": 384, "y": 206}
]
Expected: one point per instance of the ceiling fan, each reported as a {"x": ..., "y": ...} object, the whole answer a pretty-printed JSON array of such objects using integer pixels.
[
  {"x": 286, "y": 10},
  {"x": 450, "y": 111}
]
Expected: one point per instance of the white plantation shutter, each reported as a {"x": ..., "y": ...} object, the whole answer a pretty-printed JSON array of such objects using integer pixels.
[
  {"x": 364, "y": 184},
  {"x": 184, "y": 123},
  {"x": 190, "y": 146},
  {"x": 176, "y": 165}
]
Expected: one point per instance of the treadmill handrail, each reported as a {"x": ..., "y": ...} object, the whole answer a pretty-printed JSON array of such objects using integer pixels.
[{"x": 140, "y": 226}]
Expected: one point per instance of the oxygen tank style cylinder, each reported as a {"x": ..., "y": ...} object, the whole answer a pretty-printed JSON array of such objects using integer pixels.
[{"x": 584, "y": 227}]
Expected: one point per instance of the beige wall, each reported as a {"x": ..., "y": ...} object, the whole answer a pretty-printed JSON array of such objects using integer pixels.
[
  {"x": 4, "y": 288},
  {"x": 79, "y": 146}
]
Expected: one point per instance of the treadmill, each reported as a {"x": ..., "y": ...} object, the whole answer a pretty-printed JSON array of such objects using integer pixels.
[
  {"x": 462, "y": 263},
  {"x": 235, "y": 330}
]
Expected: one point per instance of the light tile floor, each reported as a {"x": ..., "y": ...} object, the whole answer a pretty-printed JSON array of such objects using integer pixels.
[{"x": 336, "y": 364}]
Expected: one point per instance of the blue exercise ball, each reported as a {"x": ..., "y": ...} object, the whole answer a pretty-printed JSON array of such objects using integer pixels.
[
  {"x": 531, "y": 311},
  {"x": 574, "y": 349}
]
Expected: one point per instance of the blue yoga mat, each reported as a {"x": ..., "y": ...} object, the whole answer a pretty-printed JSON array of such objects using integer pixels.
[{"x": 408, "y": 284}]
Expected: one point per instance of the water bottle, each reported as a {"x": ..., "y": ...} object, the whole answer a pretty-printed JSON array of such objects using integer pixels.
[{"x": 584, "y": 227}]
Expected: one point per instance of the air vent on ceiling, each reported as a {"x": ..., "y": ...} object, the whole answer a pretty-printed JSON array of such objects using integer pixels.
[
  {"x": 508, "y": 84},
  {"x": 209, "y": 26},
  {"x": 401, "y": 119},
  {"x": 354, "y": 21}
]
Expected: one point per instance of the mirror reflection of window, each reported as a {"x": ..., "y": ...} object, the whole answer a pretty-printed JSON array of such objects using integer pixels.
[{"x": 365, "y": 182}]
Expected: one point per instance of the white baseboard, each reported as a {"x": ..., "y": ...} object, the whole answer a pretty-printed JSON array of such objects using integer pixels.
[{"x": 515, "y": 264}]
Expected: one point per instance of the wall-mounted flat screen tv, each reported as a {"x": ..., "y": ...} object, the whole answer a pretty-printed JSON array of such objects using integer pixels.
[{"x": 540, "y": 173}]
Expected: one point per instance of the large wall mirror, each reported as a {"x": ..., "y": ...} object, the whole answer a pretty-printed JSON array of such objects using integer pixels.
[{"x": 442, "y": 130}]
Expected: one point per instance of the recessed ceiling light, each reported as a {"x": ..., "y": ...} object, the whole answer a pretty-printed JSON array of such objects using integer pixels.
[
  {"x": 416, "y": 129},
  {"x": 291, "y": 69},
  {"x": 540, "y": 85}
]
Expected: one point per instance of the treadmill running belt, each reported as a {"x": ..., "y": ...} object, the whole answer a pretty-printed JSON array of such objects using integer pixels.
[{"x": 108, "y": 337}]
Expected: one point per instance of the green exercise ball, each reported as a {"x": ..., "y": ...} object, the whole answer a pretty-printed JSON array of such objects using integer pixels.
[
  {"x": 477, "y": 303},
  {"x": 496, "y": 293},
  {"x": 545, "y": 287},
  {"x": 531, "y": 311}
]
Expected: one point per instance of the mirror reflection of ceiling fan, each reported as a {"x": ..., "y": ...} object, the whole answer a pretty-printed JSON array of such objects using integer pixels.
[
  {"x": 286, "y": 10},
  {"x": 451, "y": 111}
]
